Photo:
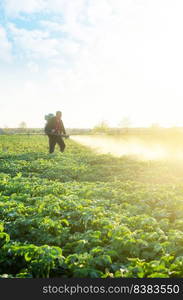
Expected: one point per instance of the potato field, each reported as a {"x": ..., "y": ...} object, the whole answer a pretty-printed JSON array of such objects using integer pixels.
[{"x": 82, "y": 214}]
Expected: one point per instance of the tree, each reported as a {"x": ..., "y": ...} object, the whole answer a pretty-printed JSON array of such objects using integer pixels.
[
  {"x": 155, "y": 126},
  {"x": 22, "y": 125},
  {"x": 102, "y": 127},
  {"x": 125, "y": 123},
  {"x": 6, "y": 129}
]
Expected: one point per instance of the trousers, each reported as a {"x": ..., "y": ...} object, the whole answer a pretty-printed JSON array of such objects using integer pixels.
[{"x": 53, "y": 140}]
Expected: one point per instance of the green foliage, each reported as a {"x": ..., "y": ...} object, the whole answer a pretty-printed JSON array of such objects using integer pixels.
[
  {"x": 80, "y": 214},
  {"x": 4, "y": 237}
]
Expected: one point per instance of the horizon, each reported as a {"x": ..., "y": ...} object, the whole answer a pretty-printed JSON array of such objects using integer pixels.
[{"x": 98, "y": 125}]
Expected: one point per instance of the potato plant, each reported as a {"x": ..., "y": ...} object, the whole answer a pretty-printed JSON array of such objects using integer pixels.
[{"x": 81, "y": 214}]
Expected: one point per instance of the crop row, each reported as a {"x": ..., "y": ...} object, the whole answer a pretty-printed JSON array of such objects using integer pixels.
[{"x": 80, "y": 214}]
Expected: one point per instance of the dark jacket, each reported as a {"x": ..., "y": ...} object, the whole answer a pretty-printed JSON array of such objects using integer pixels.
[{"x": 51, "y": 124}]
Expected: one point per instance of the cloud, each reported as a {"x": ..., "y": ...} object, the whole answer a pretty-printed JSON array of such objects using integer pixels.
[
  {"x": 14, "y": 8},
  {"x": 5, "y": 46},
  {"x": 52, "y": 26},
  {"x": 40, "y": 45},
  {"x": 35, "y": 44},
  {"x": 103, "y": 56},
  {"x": 99, "y": 11},
  {"x": 33, "y": 67},
  {"x": 69, "y": 9},
  {"x": 121, "y": 64}
]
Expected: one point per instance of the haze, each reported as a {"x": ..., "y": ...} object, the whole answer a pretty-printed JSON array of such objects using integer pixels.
[{"x": 93, "y": 59}]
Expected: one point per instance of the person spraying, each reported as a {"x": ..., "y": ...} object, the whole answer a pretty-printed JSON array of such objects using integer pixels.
[{"x": 55, "y": 131}]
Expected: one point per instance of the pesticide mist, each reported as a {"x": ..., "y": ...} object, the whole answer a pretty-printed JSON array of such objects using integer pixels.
[{"x": 140, "y": 147}]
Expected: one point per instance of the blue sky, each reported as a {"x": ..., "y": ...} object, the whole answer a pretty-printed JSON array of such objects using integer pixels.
[{"x": 93, "y": 59}]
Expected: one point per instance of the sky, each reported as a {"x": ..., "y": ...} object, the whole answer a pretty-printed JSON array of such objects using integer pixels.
[{"x": 95, "y": 60}]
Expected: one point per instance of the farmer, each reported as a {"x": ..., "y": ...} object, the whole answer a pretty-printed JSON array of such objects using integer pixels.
[{"x": 54, "y": 128}]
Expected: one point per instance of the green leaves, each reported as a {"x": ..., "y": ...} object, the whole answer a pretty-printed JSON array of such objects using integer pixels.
[
  {"x": 4, "y": 238},
  {"x": 79, "y": 214}
]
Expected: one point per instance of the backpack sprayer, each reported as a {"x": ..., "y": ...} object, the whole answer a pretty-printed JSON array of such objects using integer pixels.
[{"x": 51, "y": 132}]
